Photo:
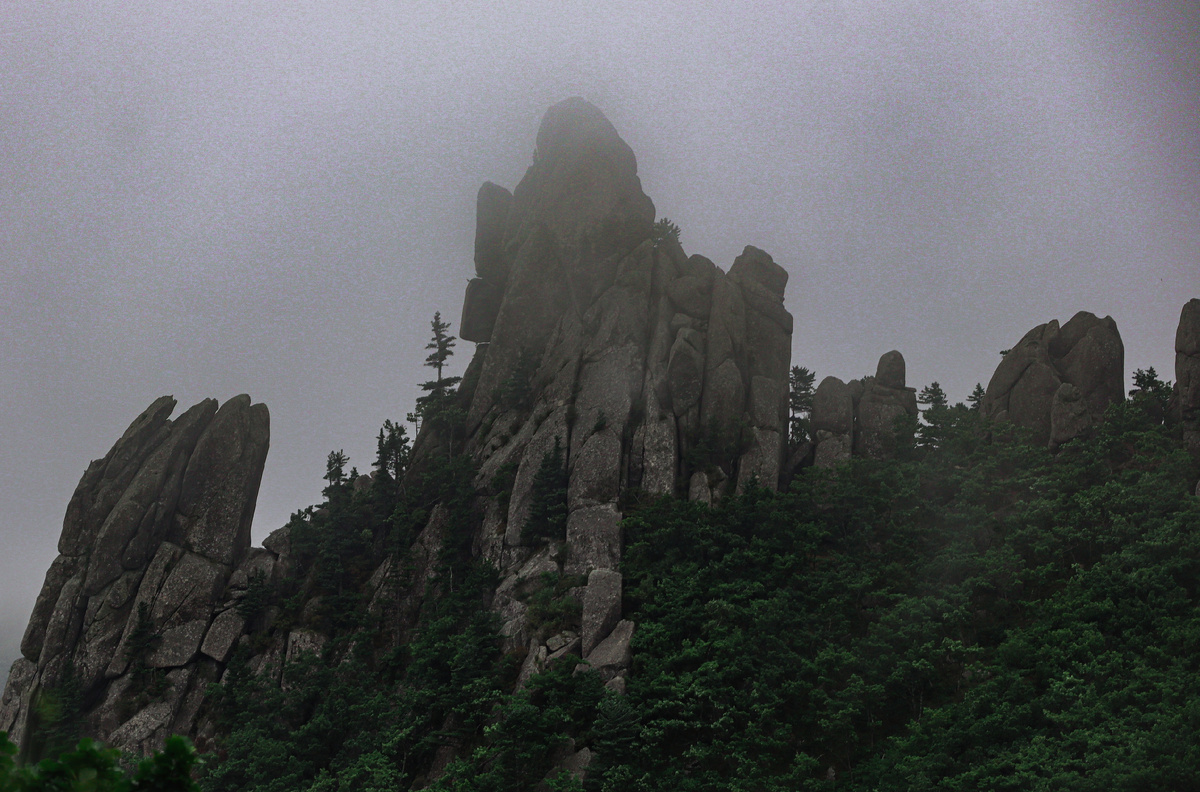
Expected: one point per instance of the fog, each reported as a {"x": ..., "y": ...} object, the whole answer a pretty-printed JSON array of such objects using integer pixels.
[{"x": 211, "y": 199}]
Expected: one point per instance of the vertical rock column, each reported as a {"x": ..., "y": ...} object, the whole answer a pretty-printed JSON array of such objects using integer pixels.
[
  {"x": 1187, "y": 374},
  {"x": 1057, "y": 381},
  {"x": 149, "y": 541}
]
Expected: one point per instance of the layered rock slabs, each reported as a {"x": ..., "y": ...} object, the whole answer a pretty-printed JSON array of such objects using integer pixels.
[
  {"x": 1057, "y": 381},
  {"x": 1186, "y": 399},
  {"x": 858, "y": 418},
  {"x": 150, "y": 540},
  {"x": 655, "y": 371}
]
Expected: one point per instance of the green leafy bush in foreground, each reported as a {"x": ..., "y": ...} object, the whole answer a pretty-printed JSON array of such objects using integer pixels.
[{"x": 94, "y": 768}]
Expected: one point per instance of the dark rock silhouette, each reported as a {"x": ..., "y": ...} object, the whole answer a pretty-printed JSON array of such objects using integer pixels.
[
  {"x": 859, "y": 418},
  {"x": 1186, "y": 406},
  {"x": 646, "y": 360},
  {"x": 1057, "y": 382}
]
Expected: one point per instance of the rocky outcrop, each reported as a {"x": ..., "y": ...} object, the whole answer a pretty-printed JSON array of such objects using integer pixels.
[
  {"x": 655, "y": 371},
  {"x": 151, "y": 539},
  {"x": 859, "y": 418},
  {"x": 1186, "y": 398},
  {"x": 1057, "y": 381}
]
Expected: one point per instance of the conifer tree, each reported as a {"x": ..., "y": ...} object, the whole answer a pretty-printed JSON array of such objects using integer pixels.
[
  {"x": 976, "y": 397},
  {"x": 800, "y": 402}
]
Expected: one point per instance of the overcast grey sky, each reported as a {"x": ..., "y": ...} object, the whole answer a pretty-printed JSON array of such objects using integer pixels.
[{"x": 205, "y": 199}]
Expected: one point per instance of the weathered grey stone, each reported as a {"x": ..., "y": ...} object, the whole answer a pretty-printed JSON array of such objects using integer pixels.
[
  {"x": 541, "y": 444},
  {"x": 833, "y": 407},
  {"x": 279, "y": 541},
  {"x": 178, "y": 645},
  {"x": 762, "y": 462},
  {"x": 223, "y": 635},
  {"x": 1030, "y": 400},
  {"x": 570, "y": 648},
  {"x": 1069, "y": 416},
  {"x": 685, "y": 370},
  {"x": 878, "y": 411},
  {"x": 596, "y": 470},
  {"x": 558, "y": 641},
  {"x": 17, "y": 699},
  {"x": 577, "y": 763},
  {"x": 481, "y": 306},
  {"x": 832, "y": 449},
  {"x": 148, "y": 730},
  {"x": 1086, "y": 353},
  {"x": 304, "y": 642},
  {"x": 890, "y": 371},
  {"x": 723, "y": 402},
  {"x": 1095, "y": 364},
  {"x": 593, "y": 539},
  {"x": 106, "y": 479},
  {"x": 217, "y": 499},
  {"x": 191, "y": 589},
  {"x": 1187, "y": 333},
  {"x": 492, "y": 205},
  {"x": 660, "y": 456},
  {"x": 146, "y": 508},
  {"x": 760, "y": 302},
  {"x": 535, "y": 663},
  {"x": 757, "y": 266},
  {"x": 601, "y": 606},
  {"x": 62, "y": 628},
  {"x": 692, "y": 295},
  {"x": 63, "y": 569},
  {"x": 698, "y": 488},
  {"x": 613, "y": 655}
]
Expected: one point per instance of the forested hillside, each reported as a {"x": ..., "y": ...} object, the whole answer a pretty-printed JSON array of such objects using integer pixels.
[{"x": 974, "y": 614}]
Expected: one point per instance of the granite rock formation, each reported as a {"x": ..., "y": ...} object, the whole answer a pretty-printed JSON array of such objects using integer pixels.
[
  {"x": 858, "y": 418},
  {"x": 656, "y": 371},
  {"x": 1186, "y": 399},
  {"x": 1057, "y": 381},
  {"x": 155, "y": 537}
]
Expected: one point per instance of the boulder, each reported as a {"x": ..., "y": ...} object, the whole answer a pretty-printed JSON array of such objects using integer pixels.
[
  {"x": 601, "y": 606},
  {"x": 1186, "y": 398},
  {"x": 481, "y": 305},
  {"x": 593, "y": 539},
  {"x": 833, "y": 407},
  {"x": 1086, "y": 353},
  {"x": 492, "y": 206},
  {"x": 889, "y": 373},
  {"x": 612, "y": 655}
]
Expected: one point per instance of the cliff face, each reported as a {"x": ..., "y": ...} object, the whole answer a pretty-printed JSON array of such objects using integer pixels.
[
  {"x": 152, "y": 536},
  {"x": 1057, "y": 381},
  {"x": 653, "y": 370},
  {"x": 603, "y": 349}
]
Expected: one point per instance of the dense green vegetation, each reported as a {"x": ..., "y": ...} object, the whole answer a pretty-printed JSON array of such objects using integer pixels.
[
  {"x": 977, "y": 613},
  {"x": 92, "y": 768}
]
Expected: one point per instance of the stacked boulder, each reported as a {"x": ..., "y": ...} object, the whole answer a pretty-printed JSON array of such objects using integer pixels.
[
  {"x": 859, "y": 418},
  {"x": 156, "y": 534},
  {"x": 1057, "y": 381},
  {"x": 1186, "y": 399},
  {"x": 654, "y": 371}
]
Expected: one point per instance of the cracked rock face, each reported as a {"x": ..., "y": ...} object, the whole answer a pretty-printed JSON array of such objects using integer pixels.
[
  {"x": 656, "y": 371},
  {"x": 150, "y": 538},
  {"x": 1027, "y": 387},
  {"x": 1186, "y": 400}
]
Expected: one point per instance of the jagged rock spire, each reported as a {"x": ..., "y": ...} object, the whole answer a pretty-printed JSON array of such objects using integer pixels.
[{"x": 161, "y": 521}]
